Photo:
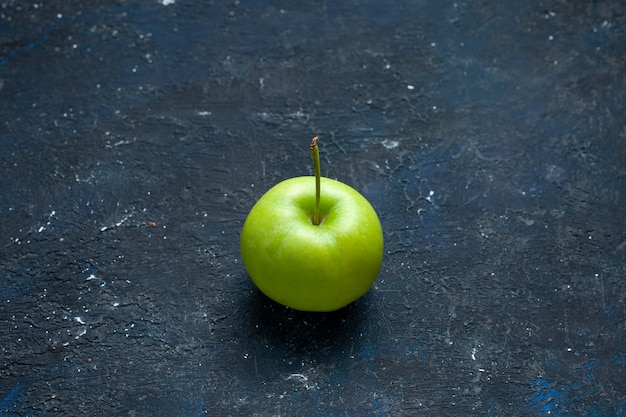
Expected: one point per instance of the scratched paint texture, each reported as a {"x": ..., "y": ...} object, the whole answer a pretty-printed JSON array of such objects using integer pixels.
[{"x": 489, "y": 135}]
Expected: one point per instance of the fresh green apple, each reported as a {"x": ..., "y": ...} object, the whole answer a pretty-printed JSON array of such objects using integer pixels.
[{"x": 312, "y": 243}]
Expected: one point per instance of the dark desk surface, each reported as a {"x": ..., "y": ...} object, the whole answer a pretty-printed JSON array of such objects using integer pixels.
[{"x": 135, "y": 137}]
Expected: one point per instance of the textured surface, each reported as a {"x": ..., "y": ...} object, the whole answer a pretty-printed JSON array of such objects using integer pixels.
[{"x": 489, "y": 135}]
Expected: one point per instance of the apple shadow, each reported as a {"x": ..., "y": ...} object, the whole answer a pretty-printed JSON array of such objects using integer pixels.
[{"x": 306, "y": 332}]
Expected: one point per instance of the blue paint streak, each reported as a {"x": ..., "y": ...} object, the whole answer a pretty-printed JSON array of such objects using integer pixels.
[
  {"x": 31, "y": 46},
  {"x": 367, "y": 354},
  {"x": 573, "y": 399},
  {"x": 10, "y": 400},
  {"x": 199, "y": 409},
  {"x": 619, "y": 357},
  {"x": 549, "y": 400},
  {"x": 380, "y": 404},
  {"x": 590, "y": 366}
]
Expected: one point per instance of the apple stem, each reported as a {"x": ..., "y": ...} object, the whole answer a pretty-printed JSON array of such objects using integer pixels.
[{"x": 315, "y": 153}]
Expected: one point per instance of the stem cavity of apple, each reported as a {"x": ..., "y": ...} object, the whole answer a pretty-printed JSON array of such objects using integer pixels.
[{"x": 315, "y": 153}]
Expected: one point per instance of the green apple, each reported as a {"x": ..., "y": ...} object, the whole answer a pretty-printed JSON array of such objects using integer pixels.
[{"x": 312, "y": 250}]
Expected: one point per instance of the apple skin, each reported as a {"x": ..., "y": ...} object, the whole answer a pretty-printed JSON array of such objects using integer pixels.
[{"x": 305, "y": 266}]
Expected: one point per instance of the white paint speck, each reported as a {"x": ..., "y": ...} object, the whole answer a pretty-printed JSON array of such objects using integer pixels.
[
  {"x": 167, "y": 2},
  {"x": 298, "y": 377},
  {"x": 81, "y": 332},
  {"x": 390, "y": 144}
]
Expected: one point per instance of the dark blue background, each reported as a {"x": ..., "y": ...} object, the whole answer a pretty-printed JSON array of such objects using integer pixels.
[{"x": 489, "y": 135}]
